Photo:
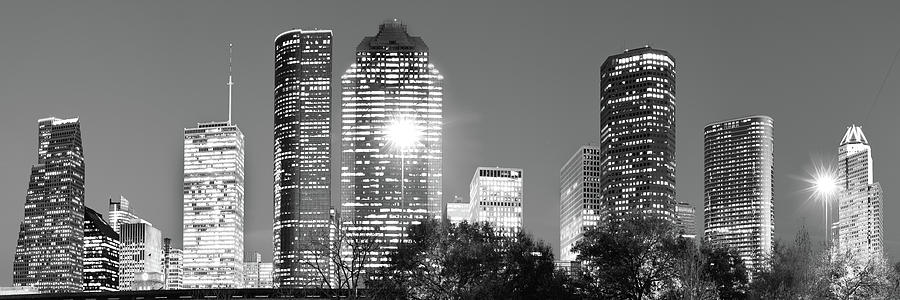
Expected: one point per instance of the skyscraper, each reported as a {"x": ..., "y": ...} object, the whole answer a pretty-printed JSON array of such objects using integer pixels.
[
  {"x": 497, "y": 196},
  {"x": 686, "y": 221},
  {"x": 391, "y": 131},
  {"x": 739, "y": 190},
  {"x": 860, "y": 227},
  {"x": 302, "y": 151},
  {"x": 258, "y": 274},
  {"x": 120, "y": 211},
  {"x": 172, "y": 269},
  {"x": 580, "y": 206},
  {"x": 213, "y": 224},
  {"x": 140, "y": 256},
  {"x": 637, "y": 134},
  {"x": 213, "y": 206},
  {"x": 101, "y": 254},
  {"x": 50, "y": 249}
]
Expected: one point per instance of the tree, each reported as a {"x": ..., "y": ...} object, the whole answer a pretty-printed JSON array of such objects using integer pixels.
[
  {"x": 725, "y": 269},
  {"x": 849, "y": 277},
  {"x": 791, "y": 272},
  {"x": 631, "y": 259},
  {"x": 338, "y": 259},
  {"x": 468, "y": 261}
]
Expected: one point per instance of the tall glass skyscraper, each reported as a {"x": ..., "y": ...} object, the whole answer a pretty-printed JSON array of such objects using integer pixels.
[
  {"x": 101, "y": 254},
  {"x": 497, "y": 196},
  {"x": 860, "y": 227},
  {"x": 739, "y": 207},
  {"x": 391, "y": 131},
  {"x": 686, "y": 223},
  {"x": 637, "y": 134},
  {"x": 580, "y": 205},
  {"x": 213, "y": 206},
  {"x": 302, "y": 152},
  {"x": 50, "y": 249}
]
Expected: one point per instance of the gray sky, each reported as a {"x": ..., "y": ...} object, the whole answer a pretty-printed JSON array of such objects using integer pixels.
[{"x": 520, "y": 79}]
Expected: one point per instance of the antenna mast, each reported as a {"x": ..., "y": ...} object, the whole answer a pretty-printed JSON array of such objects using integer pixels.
[{"x": 230, "y": 83}]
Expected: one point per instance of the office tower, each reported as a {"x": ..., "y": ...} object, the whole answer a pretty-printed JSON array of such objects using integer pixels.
[
  {"x": 497, "y": 195},
  {"x": 685, "y": 222},
  {"x": 120, "y": 211},
  {"x": 140, "y": 256},
  {"x": 302, "y": 151},
  {"x": 580, "y": 206},
  {"x": 101, "y": 254},
  {"x": 50, "y": 248},
  {"x": 213, "y": 206},
  {"x": 172, "y": 265},
  {"x": 258, "y": 275},
  {"x": 459, "y": 210},
  {"x": 390, "y": 137},
  {"x": 860, "y": 226},
  {"x": 739, "y": 191},
  {"x": 637, "y": 134},
  {"x": 213, "y": 223}
]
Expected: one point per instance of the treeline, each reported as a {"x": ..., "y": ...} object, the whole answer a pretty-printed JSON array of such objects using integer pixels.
[{"x": 639, "y": 259}]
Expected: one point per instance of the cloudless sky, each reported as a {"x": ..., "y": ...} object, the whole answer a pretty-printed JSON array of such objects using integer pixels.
[{"x": 521, "y": 90}]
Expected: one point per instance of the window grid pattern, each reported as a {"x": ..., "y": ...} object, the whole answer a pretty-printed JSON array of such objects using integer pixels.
[
  {"x": 580, "y": 204},
  {"x": 860, "y": 227},
  {"x": 49, "y": 251},
  {"x": 739, "y": 206},
  {"x": 302, "y": 152},
  {"x": 637, "y": 134},
  {"x": 213, "y": 219},
  {"x": 391, "y": 79}
]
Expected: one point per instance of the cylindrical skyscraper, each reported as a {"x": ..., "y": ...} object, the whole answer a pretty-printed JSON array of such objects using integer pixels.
[
  {"x": 637, "y": 134},
  {"x": 738, "y": 169},
  {"x": 302, "y": 153}
]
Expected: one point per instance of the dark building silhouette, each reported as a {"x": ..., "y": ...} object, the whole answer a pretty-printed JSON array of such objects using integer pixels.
[
  {"x": 302, "y": 152},
  {"x": 637, "y": 134},
  {"x": 49, "y": 253},
  {"x": 101, "y": 254}
]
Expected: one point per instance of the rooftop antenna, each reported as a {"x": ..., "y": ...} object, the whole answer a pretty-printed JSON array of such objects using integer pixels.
[{"x": 230, "y": 83}]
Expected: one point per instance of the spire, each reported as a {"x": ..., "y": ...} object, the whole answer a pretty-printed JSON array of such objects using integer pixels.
[
  {"x": 854, "y": 135},
  {"x": 230, "y": 83}
]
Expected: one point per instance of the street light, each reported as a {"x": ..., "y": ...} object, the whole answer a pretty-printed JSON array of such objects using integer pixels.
[
  {"x": 403, "y": 133},
  {"x": 825, "y": 187}
]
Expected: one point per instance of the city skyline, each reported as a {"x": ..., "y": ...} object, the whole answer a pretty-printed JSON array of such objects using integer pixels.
[{"x": 491, "y": 135}]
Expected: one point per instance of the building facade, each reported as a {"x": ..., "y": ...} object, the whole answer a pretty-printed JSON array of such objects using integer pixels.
[
  {"x": 686, "y": 223},
  {"x": 457, "y": 212},
  {"x": 860, "y": 225},
  {"x": 580, "y": 204},
  {"x": 101, "y": 254},
  {"x": 258, "y": 274},
  {"x": 637, "y": 134},
  {"x": 391, "y": 132},
  {"x": 302, "y": 150},
  {"x": 172, "y": 268},
  {"x": 120, "y": 211},
  {"x": 497, "y": 196},
  {"x": 739, "y": 190},
  {"x": 213, "y": 223},
  {"x": 140, "y": 256},
  {"x": 50, "y": 248}
]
